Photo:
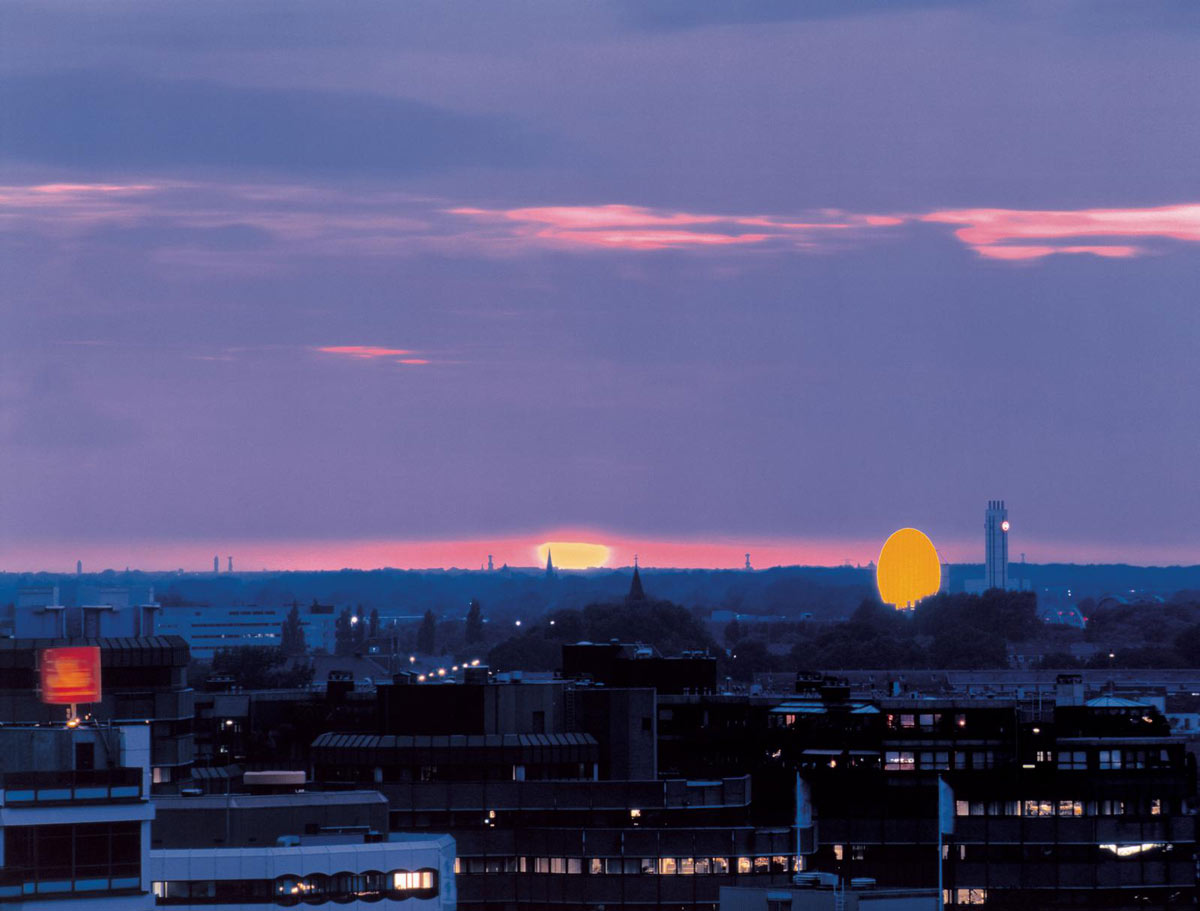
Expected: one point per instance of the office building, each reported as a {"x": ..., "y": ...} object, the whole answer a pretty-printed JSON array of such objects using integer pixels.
[
  {"x": 1063, "y": 806},
  {"x": 75, "y": 816},
  {"x": 208, "y": 628},
  {"x": 144, "y": 681}
]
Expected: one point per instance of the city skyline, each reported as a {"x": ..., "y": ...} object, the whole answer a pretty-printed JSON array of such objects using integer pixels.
[{"x": 424, "y": 283}]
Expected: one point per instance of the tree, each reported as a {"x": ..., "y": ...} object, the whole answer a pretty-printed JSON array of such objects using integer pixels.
[
  {"x": 261, "y": 667},
  {"x": 291, "y": 638},
  {"x": 427, "y": 634},
  {"x": 474, "y": 631},
  {"x": 359, "y": 630},
  {"x": 343, "y": 634},
  {"x": 733, "y": 632}
]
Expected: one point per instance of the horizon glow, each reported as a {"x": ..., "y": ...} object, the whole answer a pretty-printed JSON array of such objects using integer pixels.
[{"x": 521, "y": 551}]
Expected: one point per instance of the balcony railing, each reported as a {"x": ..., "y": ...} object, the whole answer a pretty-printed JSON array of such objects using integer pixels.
[{"x": 71, "y": 786}]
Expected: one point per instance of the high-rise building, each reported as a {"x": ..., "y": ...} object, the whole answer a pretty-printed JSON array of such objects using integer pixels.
[{"x": 996, "y": 545}]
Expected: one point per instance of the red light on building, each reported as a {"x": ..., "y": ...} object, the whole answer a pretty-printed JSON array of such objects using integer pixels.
[{"x": 70, "y": 675}]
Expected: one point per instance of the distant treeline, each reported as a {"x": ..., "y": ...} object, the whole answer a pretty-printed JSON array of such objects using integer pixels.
[
  {"x": 827, "y": 593},
  {"x": 956, "y": 631}
]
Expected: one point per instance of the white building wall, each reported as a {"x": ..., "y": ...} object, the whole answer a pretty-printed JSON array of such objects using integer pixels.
[{"x": 204, "y": 864}]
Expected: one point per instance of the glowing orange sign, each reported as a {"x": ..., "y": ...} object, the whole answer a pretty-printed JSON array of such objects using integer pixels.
[{"x": 70, "y": 675}]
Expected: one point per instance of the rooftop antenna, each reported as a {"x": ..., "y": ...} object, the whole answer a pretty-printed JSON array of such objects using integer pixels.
[
  {"x": 749, "y": 568},
  {"x": 230, "y": 563},
  {"x": 491, "y": 566}
]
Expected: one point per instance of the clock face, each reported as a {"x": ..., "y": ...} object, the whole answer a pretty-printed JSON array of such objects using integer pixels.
[{"x": 1004, "y": 525}]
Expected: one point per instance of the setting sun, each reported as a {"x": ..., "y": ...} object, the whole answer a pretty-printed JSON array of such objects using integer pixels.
[
  {"x": 573, "y": 554},
  {"x": 909, "y": 569}
]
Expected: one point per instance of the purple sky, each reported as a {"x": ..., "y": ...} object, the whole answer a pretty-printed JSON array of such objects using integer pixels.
[{"x": 290, "y": 277}]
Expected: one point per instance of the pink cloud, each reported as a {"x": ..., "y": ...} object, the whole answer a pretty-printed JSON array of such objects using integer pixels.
[
  {"x": 364, "y": 352},
  {"x": 649, "y": 240},
  {"x": 412, "y": 361},
  {"x": 641, "y": 228},
  {"x": 988, "y": 231},
  {"x": 1033, "y": 251},
  {"x": 607, "y": 216},
  {"x": 72, "y": 189}
]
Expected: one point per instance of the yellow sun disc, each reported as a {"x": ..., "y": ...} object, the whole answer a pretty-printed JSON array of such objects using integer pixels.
[
  {"x": 908, "y": 569},
  {"x": 573, "y": 554}
]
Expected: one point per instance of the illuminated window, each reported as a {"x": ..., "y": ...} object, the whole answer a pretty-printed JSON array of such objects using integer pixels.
[
  {"x": 1072, "y": 759},
  {"x": 899, "y": 761},
  {"x": 720, "y": 864},
  {"x": 667, "y": 866},
  {"x": 1109, "y": 759},
  {"x": 703, "y": 865},
  {"x": 596, "y": 867},
  {"x": 1155, "y": 807},
  {"x": 971, "y": 896},
  {"x": 1070, "y": 808},
  {"x": 687, "y": 866},
  {"x": 838, "y": 853},
  {"x": 558, "y": 865},
  {"x": 961, "y": 808},
  {"x": 1039, "y": 808},
  {"x": 412, "y": 881},
  {"x": 745, "y": 865},
  {"x": 762, "y": 865}
]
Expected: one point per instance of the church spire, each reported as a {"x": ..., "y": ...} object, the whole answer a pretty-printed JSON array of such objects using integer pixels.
[
  {"x": 636, "y": 593},
  {"x": 549, "y": 564}
]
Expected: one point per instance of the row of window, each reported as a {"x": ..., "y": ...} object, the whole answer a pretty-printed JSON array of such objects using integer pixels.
[
  {"x": 1152, "y": 807},
  {"x": 626, "y": 866},
  {"x": 1071, "y": 760},
  {"x": 911, "y": 760},
  {"x": 1009, "y": 853},
  {"x": 314, "y": 889},
  {"x": 923, "y": 721},
  {"x": 85, "y": 852}
]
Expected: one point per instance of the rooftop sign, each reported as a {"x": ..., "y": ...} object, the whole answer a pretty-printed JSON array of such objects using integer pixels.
[{"x": 70, "y": 675}]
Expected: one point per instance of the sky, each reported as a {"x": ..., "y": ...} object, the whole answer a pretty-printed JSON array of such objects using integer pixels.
[{"x": 407, "y": 284}]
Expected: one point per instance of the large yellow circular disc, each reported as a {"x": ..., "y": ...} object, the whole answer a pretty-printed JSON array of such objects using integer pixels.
[{"x": 908, "y": 568}]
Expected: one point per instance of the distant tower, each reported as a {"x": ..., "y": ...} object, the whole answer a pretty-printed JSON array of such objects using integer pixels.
[
  {"x": 216, "y": 564},
  {"x": 995, "y": 528},
  {"x": 549, "y": 564},
  {"x": 492, "y": 566},
  {"x": 749, "y": 568},
  {"x": 79, "y": 567},
  {"x": 230, "y": 563}
]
